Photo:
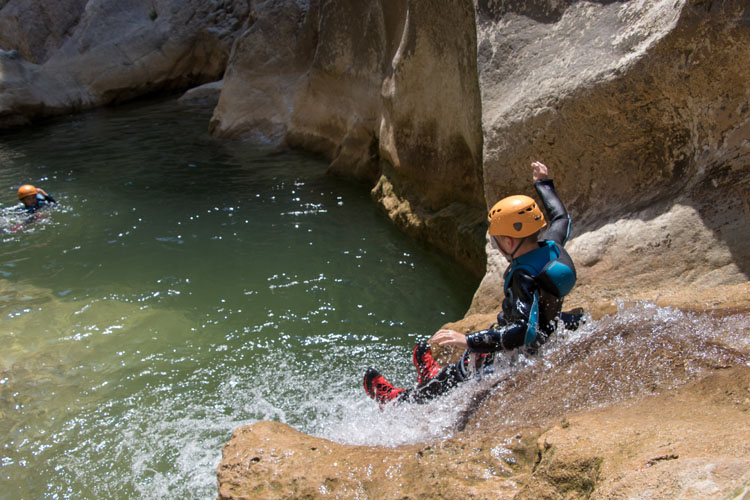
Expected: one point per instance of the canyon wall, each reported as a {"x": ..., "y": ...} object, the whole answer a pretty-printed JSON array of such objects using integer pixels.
[
  {"x": 640, "y": 109},
  {"x": 642, "y": 113},
  {"x": 65, "y": 56},
  {"x": 387, "y": 91}
]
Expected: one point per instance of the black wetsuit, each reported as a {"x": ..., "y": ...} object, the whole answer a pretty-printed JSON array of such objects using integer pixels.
[
  {"x": 535, "y": 285},
  {"x": 42, "y": 200}
]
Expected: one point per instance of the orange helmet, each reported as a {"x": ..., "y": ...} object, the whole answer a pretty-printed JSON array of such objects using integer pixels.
[
  {"x": 27, "y": 190},
  {"x": 517, "y": 216}
]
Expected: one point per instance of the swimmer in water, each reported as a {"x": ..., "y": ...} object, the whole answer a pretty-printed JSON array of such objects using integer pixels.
[{"x": 33, "y": 198}]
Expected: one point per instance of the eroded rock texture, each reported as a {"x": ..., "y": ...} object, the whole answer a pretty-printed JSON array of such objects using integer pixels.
[
  {"x": 387, "y": 90},
  {"x": 62, "y": 56},
  {"x": 642, "y": 112}
]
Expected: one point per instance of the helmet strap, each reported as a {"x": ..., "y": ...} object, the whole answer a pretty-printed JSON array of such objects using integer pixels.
[{"x": 513, "y": 253}]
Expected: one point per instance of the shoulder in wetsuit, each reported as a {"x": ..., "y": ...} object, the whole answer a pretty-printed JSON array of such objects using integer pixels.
[{"x": 42, "y": 200}]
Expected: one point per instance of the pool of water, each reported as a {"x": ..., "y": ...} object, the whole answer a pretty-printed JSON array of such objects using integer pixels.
[{"x": 184, "y": 286}]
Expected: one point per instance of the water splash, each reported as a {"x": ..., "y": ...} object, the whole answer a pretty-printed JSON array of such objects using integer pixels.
[{"x": 641, "y": 350}]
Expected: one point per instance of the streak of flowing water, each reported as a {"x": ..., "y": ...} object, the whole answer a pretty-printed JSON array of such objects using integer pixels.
[{"x": 185, "y": 286}]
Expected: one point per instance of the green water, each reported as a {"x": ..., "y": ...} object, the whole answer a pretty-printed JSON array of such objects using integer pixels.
[{"x": 185, "y": 286}]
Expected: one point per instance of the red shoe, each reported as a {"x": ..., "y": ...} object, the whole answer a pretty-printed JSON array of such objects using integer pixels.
[
  {"x": 427, "y": 367},
  {"x": 379, "y": 389}
]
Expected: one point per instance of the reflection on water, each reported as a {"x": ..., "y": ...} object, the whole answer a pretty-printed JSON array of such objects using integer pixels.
[{"x": 183, "y": 287}]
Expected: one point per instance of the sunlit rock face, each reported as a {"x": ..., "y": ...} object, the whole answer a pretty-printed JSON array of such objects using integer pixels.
[
  {"x": 69, "y": 55},
  {"x": 430, "y": 137},
  {"x": 641, "y": 111},
  {"x": 387, "y": 90}
]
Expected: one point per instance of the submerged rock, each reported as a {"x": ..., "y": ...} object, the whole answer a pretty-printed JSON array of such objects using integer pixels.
[{"x": 208, "y": 92}]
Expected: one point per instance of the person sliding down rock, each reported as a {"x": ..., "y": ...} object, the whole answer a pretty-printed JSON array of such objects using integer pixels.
[{"x": 539, "y": 276}]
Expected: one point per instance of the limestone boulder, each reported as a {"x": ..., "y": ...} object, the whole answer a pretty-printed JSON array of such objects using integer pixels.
[
  {"x": 337, "y": 102},
  {"x": 75, "y": 54},
  {"x": 430, "y": 134},
  {"x": 27, "y": 91},
  {"x": 264, "y": 67}
]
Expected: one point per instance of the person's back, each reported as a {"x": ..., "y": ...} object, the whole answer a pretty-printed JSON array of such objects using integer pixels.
[{"x": 542, "y": 276}]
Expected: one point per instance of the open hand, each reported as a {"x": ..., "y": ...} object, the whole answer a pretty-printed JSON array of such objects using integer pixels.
[{"x": 449, "y": 337}]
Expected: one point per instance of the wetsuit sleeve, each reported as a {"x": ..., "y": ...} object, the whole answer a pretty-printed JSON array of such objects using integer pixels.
[
  {"x": 558, "y": 223},
  {"x": 524, "y": 305},
  {"x": 49, "y": 199}
]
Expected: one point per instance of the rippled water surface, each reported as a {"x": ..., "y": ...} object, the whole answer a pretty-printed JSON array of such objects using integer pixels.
[{"x": 183, "y": 287}]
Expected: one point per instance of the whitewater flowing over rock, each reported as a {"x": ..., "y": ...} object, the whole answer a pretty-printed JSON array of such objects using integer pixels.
[{"x": 572, "y": 422}]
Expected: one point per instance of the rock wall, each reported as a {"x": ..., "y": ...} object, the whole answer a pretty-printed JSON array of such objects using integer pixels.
[
  {"x": 642, "y": 114},
  {"x": 638, "y": 109},
  {"x": 386, "y": 90},
  {"x": 63, "y": 56}
]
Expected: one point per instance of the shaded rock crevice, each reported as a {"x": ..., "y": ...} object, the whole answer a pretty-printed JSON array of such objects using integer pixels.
[{"x": 363, "y": 91}]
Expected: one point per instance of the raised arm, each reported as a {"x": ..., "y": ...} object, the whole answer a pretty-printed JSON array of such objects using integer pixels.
[{"x": 558, "y": 220}]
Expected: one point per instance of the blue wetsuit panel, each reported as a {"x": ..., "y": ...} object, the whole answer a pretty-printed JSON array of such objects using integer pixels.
[
  {"x": 562, "y": 276},
  {"x": 533, "y": 321}
]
